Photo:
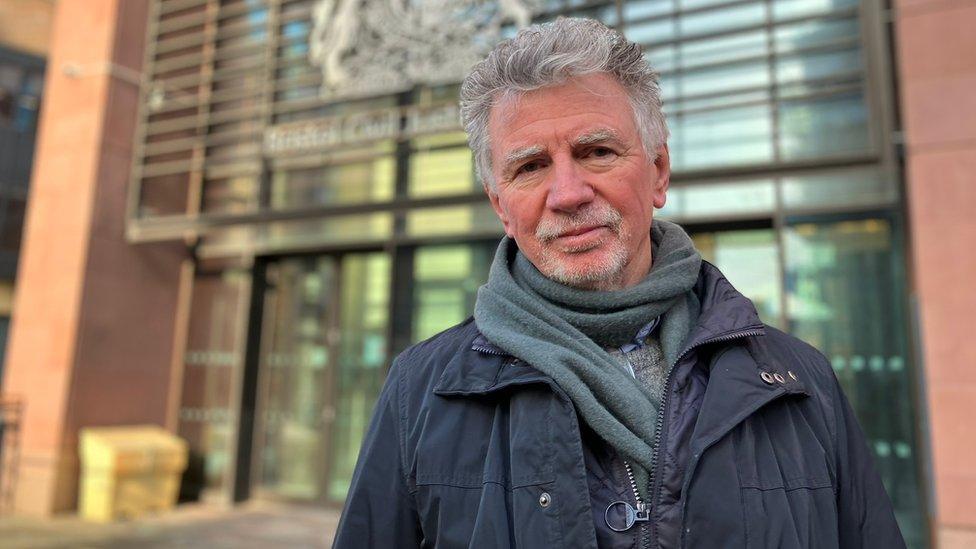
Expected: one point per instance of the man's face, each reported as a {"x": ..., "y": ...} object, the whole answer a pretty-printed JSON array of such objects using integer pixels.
[{"x": 574, "y": 186}]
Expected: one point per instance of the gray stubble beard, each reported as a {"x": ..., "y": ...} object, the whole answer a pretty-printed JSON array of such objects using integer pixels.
[{"x": 608, "y": 276}]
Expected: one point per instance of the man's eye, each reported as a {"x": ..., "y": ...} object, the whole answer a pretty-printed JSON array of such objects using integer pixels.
[
  {"x": 529, "y": 167},
  {"x": 601, "y": 152}
]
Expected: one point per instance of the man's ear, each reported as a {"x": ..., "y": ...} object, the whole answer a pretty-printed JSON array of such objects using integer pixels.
[
  {"x": 499, "y": 211},
  {"x": 659, "y": 191}
]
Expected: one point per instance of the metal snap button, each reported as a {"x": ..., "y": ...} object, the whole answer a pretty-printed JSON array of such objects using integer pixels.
[
  {"x": 767, "y": 377},
  {"x": 779, "y": 377},
  {"x": 793, "y": 375},
  {"x": 545, "y": 499}
]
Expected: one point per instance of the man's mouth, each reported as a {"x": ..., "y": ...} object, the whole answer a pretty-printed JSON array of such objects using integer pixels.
[
  {"x": 581, "y": 239},
  {"x": 581, "y": 231}
]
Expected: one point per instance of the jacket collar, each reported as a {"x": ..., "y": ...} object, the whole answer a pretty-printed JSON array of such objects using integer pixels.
[
  {"x": 725, "y": 315},
  {"x": 484, "y": 369}
]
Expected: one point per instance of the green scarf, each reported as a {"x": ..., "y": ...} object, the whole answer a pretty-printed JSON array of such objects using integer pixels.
[{"x": 560, "y": 331}]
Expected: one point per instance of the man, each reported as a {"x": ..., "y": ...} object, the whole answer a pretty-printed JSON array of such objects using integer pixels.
[{"x": 612, "y": 389}]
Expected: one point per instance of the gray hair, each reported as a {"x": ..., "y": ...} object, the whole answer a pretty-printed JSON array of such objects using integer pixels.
[{"x": 549, "y": 54}]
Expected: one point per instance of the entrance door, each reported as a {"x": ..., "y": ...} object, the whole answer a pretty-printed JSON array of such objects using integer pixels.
[{"x": 323, "y": 357}]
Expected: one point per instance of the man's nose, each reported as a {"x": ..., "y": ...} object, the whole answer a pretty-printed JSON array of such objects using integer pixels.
[{"x": 569, "y": 188}]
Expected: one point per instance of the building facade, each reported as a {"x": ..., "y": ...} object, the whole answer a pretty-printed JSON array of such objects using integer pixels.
[{"x": 301, "y": 206}]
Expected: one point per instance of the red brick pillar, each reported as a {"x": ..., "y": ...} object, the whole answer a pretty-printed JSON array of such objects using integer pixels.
[
  {"x": 93, "y": 315},
  {"x": 936, "y": 50}
]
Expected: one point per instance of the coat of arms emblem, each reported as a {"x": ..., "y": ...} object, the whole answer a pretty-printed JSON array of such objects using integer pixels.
[{"x": 380, "y": 46}]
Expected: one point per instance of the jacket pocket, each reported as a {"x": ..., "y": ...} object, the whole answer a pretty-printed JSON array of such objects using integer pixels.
[
  {"x": 482, "y": 467},
  {"x": 503, "y": 442},
  {"x": 785, "y": 479}
]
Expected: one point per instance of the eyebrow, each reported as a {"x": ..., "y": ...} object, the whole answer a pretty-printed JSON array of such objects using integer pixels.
[
  {"x": 597, "y": 136},
  {"x": 521, "y": 154}
]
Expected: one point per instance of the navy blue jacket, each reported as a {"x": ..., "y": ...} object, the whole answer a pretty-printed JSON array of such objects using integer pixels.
[{"x": 469, "y": 447}]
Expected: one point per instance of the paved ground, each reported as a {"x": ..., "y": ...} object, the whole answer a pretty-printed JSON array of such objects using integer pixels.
[{"x": 252, "y": 526}]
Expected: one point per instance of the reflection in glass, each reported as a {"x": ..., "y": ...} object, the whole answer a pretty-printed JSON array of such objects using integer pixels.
[
  {"x": 750, "y": 260},
  {"x": 737, "y": 92},
  {"x": 864, "y": 187},
  {"x": 296, "y": 366},
  {"x": 722, "y": 137},
  {"x": 722, "y": 19},
  {"x": 823, "y": 127},
  {"x": 369, "y": 181},
  {"x": 323, "y": 363},
  {"x": 446, "y": 281},
  {"x": 697, "y": 201},
  {"x": 441, "y": 165},
  {"x": 361, "y": 360},
  {"x": 845, "y": 288},
  {"x": 451, "y": 220},
  {"x": 789, "y": 9}
]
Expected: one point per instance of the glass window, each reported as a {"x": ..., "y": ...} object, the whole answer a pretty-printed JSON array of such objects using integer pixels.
[
  {"x": 724, "y": 48},
  {"x": 723, "y": 19},
  {"x": 651, "y": 32},
  {"x": 440, "y": 165},
  {"x": 446, "y": 282},
  {"x": 846, "y": 296},
  {"x": 750, "y": 260},
  {"x": 710, "y": 200},
  {"x": 731, "y": 101},
  {"x": 441, "y": 172},
  {"x": 818, "y": 66},
  {"x": 297, "y": 364},
  {"x": 830, "y": 126},
  {"x": 323, "y": 362},
  {"x": 453, "y": 220},
  {"x": 788, "y": 9},
  {"x": 723, "y": 137},
  {"x": 647, "y": 8},
  {"x": 866, "y": 187},
  {"x": 813, "y": 33},
  {"x": 350, "y": 183},
  {"x": 361, "y": 360},
  {"x": 721, "y": 78}
]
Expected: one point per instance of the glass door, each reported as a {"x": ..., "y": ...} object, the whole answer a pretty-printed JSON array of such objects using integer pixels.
[{"x": 323, "y": 360}]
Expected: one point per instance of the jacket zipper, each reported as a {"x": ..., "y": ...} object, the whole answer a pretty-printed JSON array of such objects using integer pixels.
[
  {"x": 655, "y": 486},
  {"x": 643, "y": 509},
  {"x": 653, "y": 479},
  {"x": 489, "y": 350}
]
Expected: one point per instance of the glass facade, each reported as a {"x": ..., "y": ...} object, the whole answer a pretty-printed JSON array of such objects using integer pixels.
[
  {"x": 375, "y": 234},
  {"x": 323, "y": 354}
]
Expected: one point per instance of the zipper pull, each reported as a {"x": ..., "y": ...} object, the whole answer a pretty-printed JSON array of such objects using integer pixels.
[
  {"x": 643, "y": 512},
  {"x": 621, "y": 515}
]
